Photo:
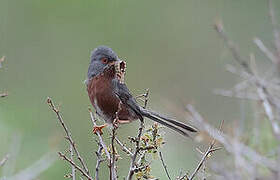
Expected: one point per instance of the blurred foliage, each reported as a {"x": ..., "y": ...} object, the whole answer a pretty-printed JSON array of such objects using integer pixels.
[{"x": 170, "y": 47}]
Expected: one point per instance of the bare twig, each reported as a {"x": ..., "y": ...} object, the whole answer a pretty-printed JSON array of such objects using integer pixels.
[
  {"x": 73, "y": 174},
  {"x": 144, "y": 98},
  {"x": 75, "y": 165},
  {"x": 14, "y": 150},
  {"x": 234, "y": 49},
  {"x": 230, "y": 145},
  {"x": 68, "y": 134},
  {"x": 3, "y": 94},
  {"x": 210, "y": 149},
  {"x": 265, "y": 96},
  {"x": 275, "y": 30},
  {"x": 33, "y": 171},
  {"x": 124, "y": 148},
  {"x": 113, "y": 174},
  {"x": 99, "y": 160},
  {"x": 137, "y": 149},
  {"x": 2, "y": 59},
  {"x": 4, "y": 160},
  {"x": 204, "y": 158},
  {"x": 269, "y": 112},
  {"x": 93, "y": 120},
  {"x": 265, "y": 50},
  {"x": 137, "y": 142},
  {"x": 164, "y": 165}
]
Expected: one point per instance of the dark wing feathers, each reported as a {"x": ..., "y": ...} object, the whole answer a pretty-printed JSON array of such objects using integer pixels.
[{"x": 121, "y": 90}]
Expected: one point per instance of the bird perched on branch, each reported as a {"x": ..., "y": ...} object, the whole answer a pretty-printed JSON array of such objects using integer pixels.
[{"x": 112, "y": 99}]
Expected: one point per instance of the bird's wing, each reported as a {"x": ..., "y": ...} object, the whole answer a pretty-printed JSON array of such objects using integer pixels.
[{"x": 123, "y": 93}]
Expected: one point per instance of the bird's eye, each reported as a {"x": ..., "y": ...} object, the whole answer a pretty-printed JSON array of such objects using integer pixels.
[{"x": 104, "y": 60}]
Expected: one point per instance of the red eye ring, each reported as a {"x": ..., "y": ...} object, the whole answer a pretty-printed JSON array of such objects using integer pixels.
[{"x": 104, "y": 60}]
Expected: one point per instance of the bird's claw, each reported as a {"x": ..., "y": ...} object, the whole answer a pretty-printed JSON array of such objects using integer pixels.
[{"x": 98, "y": 129}]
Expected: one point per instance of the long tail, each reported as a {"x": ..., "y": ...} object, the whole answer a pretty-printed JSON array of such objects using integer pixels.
[{"x": 171, "y": 123}]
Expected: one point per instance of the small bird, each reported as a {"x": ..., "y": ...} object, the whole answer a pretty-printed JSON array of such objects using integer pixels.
[{"x": 112, "y": 99}]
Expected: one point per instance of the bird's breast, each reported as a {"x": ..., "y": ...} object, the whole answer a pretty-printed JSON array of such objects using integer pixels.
[{"x": 102, "y": 97}]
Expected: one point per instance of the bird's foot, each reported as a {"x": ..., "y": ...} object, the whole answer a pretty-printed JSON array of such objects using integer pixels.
[{"x": 99, "y": 129}]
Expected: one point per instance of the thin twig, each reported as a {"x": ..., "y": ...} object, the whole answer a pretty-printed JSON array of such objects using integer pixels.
[
  {"x": 210, "y": 149},
  {"x": 275, "y": 29},
  {"x": 3, "y": 94},
  {"x": 73, "y": 174},
  {"x": 164, "y": 165},
  {"x": 265, "y": 50},
  {"x": 75, "y": 165},
  {"x": 35, "y": 169},
  {"x": 113, "y": 173},
  {"x": 137, "y": 143},
  {"x": 2, "y": 59},
  {"x": 266, "y": 97},
  {"x": 229, "y": 145},
  {"x": 4, "y": 160},
  {"x": 137, "y": 150},
  {"x": 233, "y": 48},
  {"x": 204, "y": 158},
  {"x": 93, "y": 120},
  {"x": 124, "y": 148},
  {"x": 99, "y": 160},
  {"x": 68, "y": 134}
]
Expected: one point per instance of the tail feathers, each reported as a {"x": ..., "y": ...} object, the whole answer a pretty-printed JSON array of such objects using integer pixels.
[
  {"x": 156, "y": 119},
  {"x": 172, "y": 121}
]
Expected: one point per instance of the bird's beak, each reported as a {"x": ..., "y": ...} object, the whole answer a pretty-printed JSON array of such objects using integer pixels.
[{"x": 112, "y": 63}]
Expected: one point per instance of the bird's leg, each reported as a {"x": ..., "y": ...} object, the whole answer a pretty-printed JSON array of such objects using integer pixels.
[
  {"x": 121, "y": 121},
  {"x": 99, "y": 128}
]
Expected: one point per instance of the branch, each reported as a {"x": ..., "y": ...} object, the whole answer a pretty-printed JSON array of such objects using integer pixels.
[
  {"x": 275, "y": 30},
  {"x": 164, "y": 165},
  {"x": 76, "y": 166},
  {"x": 33, "y": 171},
  {"x": 4, "y": 160},
  {"x": 231, "y": 145},
  {"x": 113, "y": 173},
  {"x": 207, "y": 154},
  {"x": 266, "y": 97},
  {"x": 233, "y": 48},
  {"x": 68, "y": 134},
  {"x": 99, "y": 160},
  {"x": 3, "y": 94},
  {"x": 137, "y": 141},
  {"x": 265, "y": 50},
  {"x": 93, "y": 120},
  {"x": 2, "y": 59},
  {"x": 72, "y": 167},
  {"x": 124, "y": 148},
  {"x": 137, "y": 150}
]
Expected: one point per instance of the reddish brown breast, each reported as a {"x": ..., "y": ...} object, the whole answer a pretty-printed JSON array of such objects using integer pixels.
[{"x": 103, "y": 99}]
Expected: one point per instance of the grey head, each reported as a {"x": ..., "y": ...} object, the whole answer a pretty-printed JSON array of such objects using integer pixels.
[{"x": 100, "y": 58}]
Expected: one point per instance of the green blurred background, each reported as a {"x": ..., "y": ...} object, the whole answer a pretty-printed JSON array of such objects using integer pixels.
[{"x": 170, "y": 47}]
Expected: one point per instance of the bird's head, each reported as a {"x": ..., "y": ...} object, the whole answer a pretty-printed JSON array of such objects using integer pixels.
[{"x": 101, "y": 58}]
